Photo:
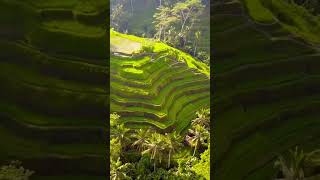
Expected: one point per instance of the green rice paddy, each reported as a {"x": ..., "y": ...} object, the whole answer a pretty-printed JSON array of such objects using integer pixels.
[
  {"x": 53, "y": 72},
  {"x": 267, "y": 86},
  {"x": 163, "y": 88}
]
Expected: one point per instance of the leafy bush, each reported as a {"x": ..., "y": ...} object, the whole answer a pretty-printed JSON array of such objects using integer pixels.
[
  {"x": 147, "y": 47},
  {"x": 14, "y": 171},
  {"x": 204, "y": 57}
]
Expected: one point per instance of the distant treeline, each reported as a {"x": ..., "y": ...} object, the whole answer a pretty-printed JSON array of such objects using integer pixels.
[{"x": 183, "y": 24}]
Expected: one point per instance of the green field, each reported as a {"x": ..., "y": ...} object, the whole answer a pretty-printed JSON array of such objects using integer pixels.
[
  {"x": 53, "y": 72},
  {"x": 162, "y": 88},
  {"x": 267, "y": 85}
]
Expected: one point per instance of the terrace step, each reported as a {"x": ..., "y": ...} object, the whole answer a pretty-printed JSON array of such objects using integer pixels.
[
  {"x": 268, "y": 70},
  {"x": 169, "y": 89},
  {"x": 56, "y": 134},
  {"x": 262, "y": 95},
  {"x": 35, "y": 97},
  {"x": 246, "y": 44},
  {"x": 47, "y": 65},
  {"x": 37, "y": 118},
  {"x": 91, "y": 38},
  {"x": 172, "y": 110},
  {"x": 152, "y": 87},
  {"x": 168, "y": 93},
  {"x": 30, "y": 75}
]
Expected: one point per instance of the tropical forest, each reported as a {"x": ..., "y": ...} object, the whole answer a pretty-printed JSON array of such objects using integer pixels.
[{"x": 159, "y": 89}]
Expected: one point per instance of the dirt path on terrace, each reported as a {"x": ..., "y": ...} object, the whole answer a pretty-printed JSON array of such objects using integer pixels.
[{"x": 123, "y": 45}]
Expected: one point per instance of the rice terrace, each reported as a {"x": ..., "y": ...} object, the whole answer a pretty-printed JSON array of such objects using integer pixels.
[
  {"x": 266, "y": 102},
  {"x": 159, "y": 90},
  {"x": 55, "y": 64},
  {"x": 155, "y": 86},
  {"x": 53, "y": 87},
  {"x": 163, "y": 87}
]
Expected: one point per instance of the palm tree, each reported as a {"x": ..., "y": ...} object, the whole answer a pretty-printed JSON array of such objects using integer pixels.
[
  {"x": 200, "y": 135},
  {"x": 203, "y": 118},
  {"x": 155, "y": 146},
  {"x": 120, "y": 132},
  {"x": 119, "y": 170},
  {"x": 293, "y": 167},
  {"x": 141, "y": 136},
  {"x": 173, "y": 143}
]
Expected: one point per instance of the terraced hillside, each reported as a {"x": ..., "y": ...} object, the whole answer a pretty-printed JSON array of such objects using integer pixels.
[
  {"x": 162, "y": 87},
  {"x": 267, "y": 88},
  {"x": 53, "y": 74}
]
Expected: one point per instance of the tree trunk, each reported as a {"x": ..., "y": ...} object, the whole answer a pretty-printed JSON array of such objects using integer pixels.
[
  {"x": 169, "y": 159},
  {"x": 185, "y": 18},
  {"x": 131, "y": 7},
  {"x": 160, "y": 33},
  {"x": 195, "y": 148}
]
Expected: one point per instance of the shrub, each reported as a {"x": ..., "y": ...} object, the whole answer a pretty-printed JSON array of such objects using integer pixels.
[
  {"x": 14, "y": 171},
  {"x": 147, "y": 47}
]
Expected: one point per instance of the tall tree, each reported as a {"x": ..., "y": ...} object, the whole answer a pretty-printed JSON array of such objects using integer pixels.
[
  {"x": 203, "y": 166},
  {"x": 131, "y": 4},
  {"x": 200, "y": 136},
  {"x": 120, "y": 171},
  {"x": 177, "y": 20},
  {"x": 122, "y": 134},
  {"x": 293, "y": 167},
  {"x": 203, "y": 118},
  {"x": 196, "y": 42},
  {"x": 140, "y": 137},
  {"x": 187, "y": 12},
  {"x": 173, "y": 143},
  {"x": 118, "y": 130},
  {"x": 164, "y": 23},
  {"x": 155, "y": 146},
  {"x": 118, "y": 15}
]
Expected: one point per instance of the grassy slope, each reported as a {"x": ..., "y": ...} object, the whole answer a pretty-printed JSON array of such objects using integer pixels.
[
  {"x": 295, "y": 19},
  {"x": 267, "y": 96},
  {"x": 258, "y": 11},
  {"x": 164, "y": 92},
  {"x": 51, "y": 107}
]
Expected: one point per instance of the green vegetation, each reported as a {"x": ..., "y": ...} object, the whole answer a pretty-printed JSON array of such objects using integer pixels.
[
  {"x": 124, "y": 40},
  {"x": 14, "y": 171},
  {"x": 182, "y": 24},
  {"x": 266, "y": 86},
  {"x": 298, "y": 20},
  {"x": 156, "y": 88},
  {"x": 147, "y": 154},
  {"x": 258, "y": 12},
  {"x": 53, "y": 97},
  {"x": 158, "y": 125},
  {"x": 299, "y": 165},
  {"x": 296, "y": 17}
]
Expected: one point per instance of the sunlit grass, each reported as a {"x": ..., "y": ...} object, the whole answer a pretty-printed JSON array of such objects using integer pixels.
[{"x": 258, "y": 12}]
